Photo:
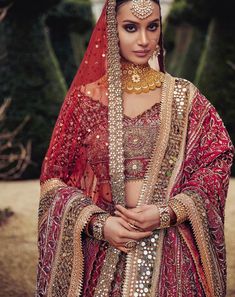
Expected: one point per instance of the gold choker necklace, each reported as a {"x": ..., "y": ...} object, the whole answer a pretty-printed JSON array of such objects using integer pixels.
[{"x": 137, "y": 79}]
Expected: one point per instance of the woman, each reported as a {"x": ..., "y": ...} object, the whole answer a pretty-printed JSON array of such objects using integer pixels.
[{"x": 134, "y": 182}]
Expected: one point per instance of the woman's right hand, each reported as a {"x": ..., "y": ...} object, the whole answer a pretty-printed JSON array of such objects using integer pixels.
[{"x": 118, "y": 232}]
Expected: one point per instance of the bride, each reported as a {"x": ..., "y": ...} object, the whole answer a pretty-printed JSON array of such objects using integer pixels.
[{"x": 134, "y": 182}]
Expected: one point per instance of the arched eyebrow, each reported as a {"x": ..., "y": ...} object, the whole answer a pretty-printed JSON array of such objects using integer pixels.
[{"x": 136, "y": 23}]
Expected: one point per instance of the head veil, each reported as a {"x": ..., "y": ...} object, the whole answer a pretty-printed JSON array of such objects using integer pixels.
[{"x": 100, "y": 66}]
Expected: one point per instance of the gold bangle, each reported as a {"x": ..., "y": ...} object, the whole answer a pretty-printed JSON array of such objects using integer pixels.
[
  {"x": 98, "y": 226},
  {"x": 180, "y": 211},
  {"x": 89, "y": 226},
  {"x": 165, "y": 218}
]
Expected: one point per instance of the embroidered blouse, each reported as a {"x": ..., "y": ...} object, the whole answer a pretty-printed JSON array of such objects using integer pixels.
[{"x": 139, "y": 138}]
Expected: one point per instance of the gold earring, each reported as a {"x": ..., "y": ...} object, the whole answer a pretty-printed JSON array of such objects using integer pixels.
[{"x": 156, "y": 51}]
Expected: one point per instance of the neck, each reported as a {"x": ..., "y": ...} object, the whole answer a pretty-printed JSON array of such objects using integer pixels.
[{"x": 126, "y": 63}]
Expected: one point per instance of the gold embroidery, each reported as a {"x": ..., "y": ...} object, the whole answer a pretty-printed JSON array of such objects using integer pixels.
[
  {"x": 139, "y": 141},
  {"x": 115, "y": 109},
  {"x": 165, "y": 154},
  {"x": 133, "y": 281},
  {"x": 203, "y": 282},
  {"x": 179, "y": 209},
  {"x": 178, "y": 164},
  {"x": 160, "y": 142},
  {"x": 140, "y": 267},
  {"x": 50, "y": 185},
  {"x": 44, "y": 205},
  {"x": 78, "y": 265},
  {"x": 138, "y": 147},
  {"x": 67, "y": 271},
  {"x": 177, "y": 127},
  {"x": 47, "y": 196},
  {"x": 157, "y": 265},
  {"x": 133, "y": 168},
  {"x": 163, "y": 165},
  {"x": 198, "y": 219},
  {"x": 116, "y": 150}
]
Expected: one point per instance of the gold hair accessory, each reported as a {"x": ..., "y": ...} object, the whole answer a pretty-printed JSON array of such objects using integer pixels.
[
  {"x": 141, "y": 8},
  {"x": 139, "y": 79}
]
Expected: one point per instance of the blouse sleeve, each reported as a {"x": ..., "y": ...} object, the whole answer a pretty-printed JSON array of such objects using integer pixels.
[{"x": 66, "y": 148}]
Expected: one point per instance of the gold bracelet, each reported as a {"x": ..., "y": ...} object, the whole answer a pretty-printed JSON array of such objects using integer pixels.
[
  {"x": 89, "y": 226},
  {"x": 98, "y": 226},
  {"x": 165, "y": 218},
  {"x": 180, "y": 211}
]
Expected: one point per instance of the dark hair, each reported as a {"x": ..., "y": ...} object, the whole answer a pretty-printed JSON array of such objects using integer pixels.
[{"x": 120, "y": 2}]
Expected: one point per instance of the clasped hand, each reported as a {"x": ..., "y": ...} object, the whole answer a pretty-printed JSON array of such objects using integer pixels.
[{"x": 131, "y": 224}]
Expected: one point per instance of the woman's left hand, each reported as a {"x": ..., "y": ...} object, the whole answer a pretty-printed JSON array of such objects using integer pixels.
[{"x": 145, "y": 217}]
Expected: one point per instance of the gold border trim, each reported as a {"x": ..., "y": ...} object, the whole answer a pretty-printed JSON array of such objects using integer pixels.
[
  {"x": 157, "y": 267},
  {"x": 77, "y": 272},
  {"x": 115, "y": 109},
  {"x": 161, "y": 141},
  {"x": 174, "y": 112},
  {"x": 151, "y": 175},
  {"x": 179, "y": 162},
  {"x": 116, "y": 151},
  {"x": 204, "y": 283},
  {"x": 49, "y": 185},
  {"x": 54, "y": 266},
  {"x": 203, "y": 245},
  {"x": 78, "y": 261}
]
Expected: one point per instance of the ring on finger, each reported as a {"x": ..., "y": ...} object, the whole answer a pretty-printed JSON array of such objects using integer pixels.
[
  {"x": 131, "y": 244},
  {"x": 134, "y": 227}
]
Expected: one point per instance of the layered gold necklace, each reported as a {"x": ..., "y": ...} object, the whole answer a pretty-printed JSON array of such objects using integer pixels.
[{"x": 137, "y": 79}]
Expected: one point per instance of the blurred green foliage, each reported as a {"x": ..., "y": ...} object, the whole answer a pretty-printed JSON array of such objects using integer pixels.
[
  {"x": 70, "y": 25},
  {"x": 39, "y": 44},
  {"x": 200, "y": 44}
]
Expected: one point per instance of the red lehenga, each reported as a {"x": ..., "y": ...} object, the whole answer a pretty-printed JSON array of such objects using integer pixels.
[{"x": 81, "y": 175}]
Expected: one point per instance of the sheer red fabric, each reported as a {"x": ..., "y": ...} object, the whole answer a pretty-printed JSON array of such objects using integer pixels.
[{"x": 66, "y": 157}]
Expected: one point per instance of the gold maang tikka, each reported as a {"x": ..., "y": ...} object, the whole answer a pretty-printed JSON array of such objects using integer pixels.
[{"x": 141, "y": 8}]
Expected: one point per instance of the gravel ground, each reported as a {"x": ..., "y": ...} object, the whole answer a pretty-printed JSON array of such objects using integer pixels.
[{"x": 18, "y": 251}]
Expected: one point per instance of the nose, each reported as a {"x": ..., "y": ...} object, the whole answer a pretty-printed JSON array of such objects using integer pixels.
[{"x": 143, "y": 38}]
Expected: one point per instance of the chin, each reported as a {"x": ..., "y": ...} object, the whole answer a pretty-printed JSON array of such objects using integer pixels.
[{"x": 138, "y": 61}]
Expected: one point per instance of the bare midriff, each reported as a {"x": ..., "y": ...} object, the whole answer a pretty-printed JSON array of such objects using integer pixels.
[{"x": 132, "y": 191}]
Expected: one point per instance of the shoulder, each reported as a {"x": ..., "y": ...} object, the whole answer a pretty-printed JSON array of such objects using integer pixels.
[
  {"x": 97, "y": 90},
  {"x": 192, "y": 90},
  {"x": 197, "y": 99},
  {"x": 200, "y": 108}
]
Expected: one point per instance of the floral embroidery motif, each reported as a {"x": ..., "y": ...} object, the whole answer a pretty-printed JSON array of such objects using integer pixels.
[{"x": 139, "y": 139}]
